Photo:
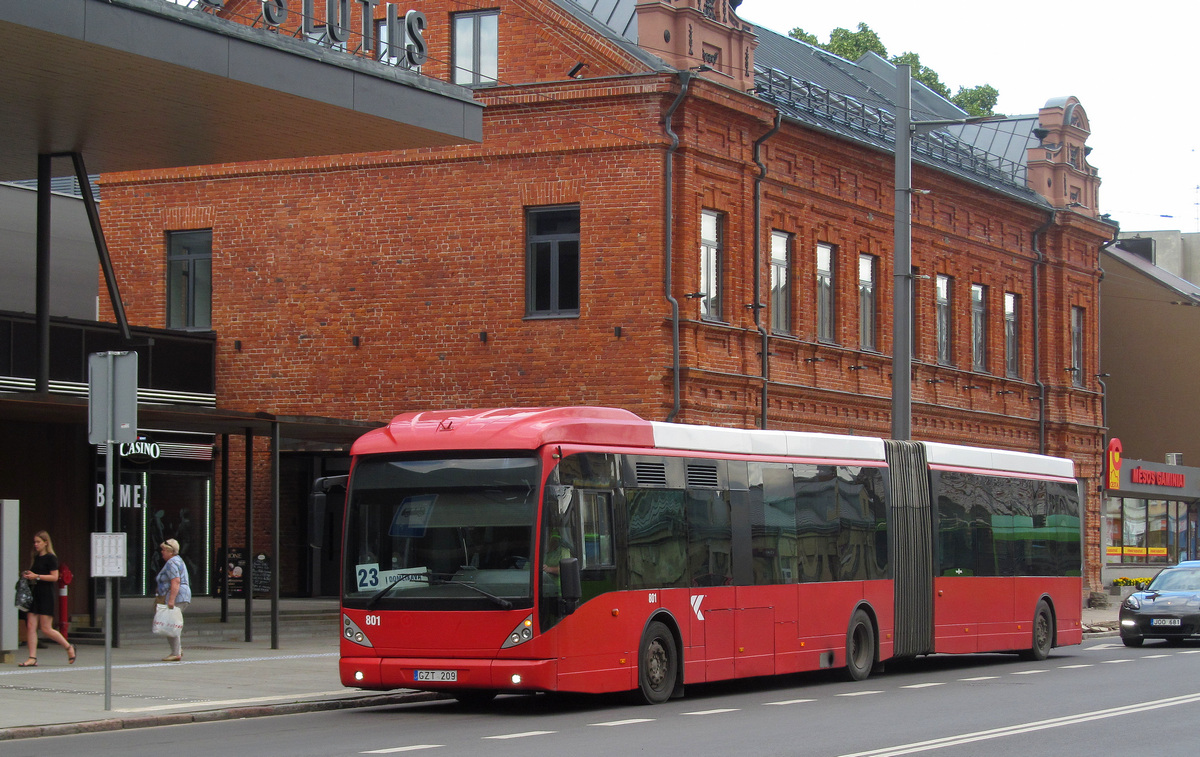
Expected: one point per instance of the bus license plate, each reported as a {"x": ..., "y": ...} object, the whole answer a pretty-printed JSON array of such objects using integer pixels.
[
  {"x": 440, "y": 676},
  {"x": 1164, "y": 621}
]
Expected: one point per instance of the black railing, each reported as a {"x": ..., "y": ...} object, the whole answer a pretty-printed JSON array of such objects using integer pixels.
[
  {"x": 174, "y": 367},
  {"x": 798, "y": 96}
]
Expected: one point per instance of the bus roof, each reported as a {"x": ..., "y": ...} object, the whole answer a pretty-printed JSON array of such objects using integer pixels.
[{"x": 533, "y": 427}]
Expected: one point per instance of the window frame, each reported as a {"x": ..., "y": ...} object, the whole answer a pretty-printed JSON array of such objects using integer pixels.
[
  {"x": 944, "y": 307},
  {"x": 781, "y": 282},
  {"x": 712, "y": 266},
  {"x": 868, "y": 302},
  {"x": 1012, "y": 334},
  {"x": 187, "y": 262},
  {"x": 554, "y": 273},
  {"x": 475, "y": 75},
  {"x": 979, "y": 328},
  {"x": 826, "y": 293}
]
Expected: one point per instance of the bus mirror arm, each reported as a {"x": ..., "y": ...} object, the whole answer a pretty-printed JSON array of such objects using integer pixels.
[{"x": 568, "y": 575}]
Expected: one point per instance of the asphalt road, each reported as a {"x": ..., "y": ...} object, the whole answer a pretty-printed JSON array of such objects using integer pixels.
[{"x": 1097, "y": 698}]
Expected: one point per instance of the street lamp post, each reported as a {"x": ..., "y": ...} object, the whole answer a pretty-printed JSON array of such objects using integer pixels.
[
  {"x": 902, "y": 310},
  {"x": 902, "y": 262}
]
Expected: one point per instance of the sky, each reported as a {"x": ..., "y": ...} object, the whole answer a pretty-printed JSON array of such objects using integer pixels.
[{"x": 1133, "y": 66}]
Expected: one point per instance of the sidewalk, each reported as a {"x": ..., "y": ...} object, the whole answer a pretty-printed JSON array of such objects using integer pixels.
[{"x": 221, "y": 676}]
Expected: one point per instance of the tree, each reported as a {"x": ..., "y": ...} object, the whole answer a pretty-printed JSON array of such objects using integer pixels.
[
  {"x": 923, "y": 73},
  {"x": 979, "y": 100},
  {"x": 853, "y": 45}
]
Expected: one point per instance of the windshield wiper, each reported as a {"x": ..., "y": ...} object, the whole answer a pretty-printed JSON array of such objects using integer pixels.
[
  {"x": 436, "y": 579},
  {"x": 406, "y": 578},
  {"x": 501, "y": 601}
]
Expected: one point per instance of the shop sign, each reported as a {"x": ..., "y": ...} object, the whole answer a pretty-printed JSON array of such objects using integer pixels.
[
  {"x": 399, "y": 33},
  {"x": 140, "y": 451},
  {"x": 1114, "y": 463},
  {"x": 131, "y": 495},
  {"x": 1140, "y": 475}
]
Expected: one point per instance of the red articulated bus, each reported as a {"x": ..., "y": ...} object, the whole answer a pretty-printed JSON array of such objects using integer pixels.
[{"x": 585, "y": 549}]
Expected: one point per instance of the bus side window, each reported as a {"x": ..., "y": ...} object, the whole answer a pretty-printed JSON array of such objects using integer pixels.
[{"x": 596, "y": 511}]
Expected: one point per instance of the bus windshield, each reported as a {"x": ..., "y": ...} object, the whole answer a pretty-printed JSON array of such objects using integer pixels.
[{"x": 445, "y": 533}]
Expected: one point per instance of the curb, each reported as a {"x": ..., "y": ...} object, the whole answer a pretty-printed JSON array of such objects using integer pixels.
[{"x": 208, "y": 716}]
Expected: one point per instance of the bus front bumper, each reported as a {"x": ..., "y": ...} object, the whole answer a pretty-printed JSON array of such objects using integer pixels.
[{"x": 448, "y": 674}]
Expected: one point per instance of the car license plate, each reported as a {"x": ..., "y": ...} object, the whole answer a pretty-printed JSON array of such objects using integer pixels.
[
  {"x": 440, "y": 676},
  {"x": 1164, "y": 621}
]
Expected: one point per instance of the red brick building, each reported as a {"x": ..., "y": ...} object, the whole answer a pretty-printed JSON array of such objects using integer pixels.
[{"x": 662, "y": 195}]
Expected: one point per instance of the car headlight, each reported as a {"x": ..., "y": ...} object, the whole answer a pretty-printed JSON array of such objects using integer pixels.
[
  {"x": 520, "y": 634},
  {"x": 1132, "y": 602}
]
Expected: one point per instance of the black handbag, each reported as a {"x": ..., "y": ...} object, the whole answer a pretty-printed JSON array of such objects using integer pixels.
[{"x": 24, "y": 598}]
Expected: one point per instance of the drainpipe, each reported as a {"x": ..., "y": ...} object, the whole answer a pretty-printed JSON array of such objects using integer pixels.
[
  {"x": 1100, "y": 376},
  {"x": 758, "y": 305},
  {"x": 1037, "y": 330},
  {"x": 685, "y": 81}
]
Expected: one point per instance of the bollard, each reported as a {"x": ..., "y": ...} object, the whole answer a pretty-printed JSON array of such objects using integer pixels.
[{"x": 64, "y": 580}]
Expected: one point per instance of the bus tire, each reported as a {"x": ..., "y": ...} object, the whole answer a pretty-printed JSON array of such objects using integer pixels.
[
  {"x": 1043, "y": 633},
  {"x": 658, "y": 664},
  {"x": 860, "y": 646}
]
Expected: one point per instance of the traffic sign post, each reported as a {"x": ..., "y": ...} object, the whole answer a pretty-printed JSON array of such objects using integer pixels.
[{"x": 112, "y": 420}]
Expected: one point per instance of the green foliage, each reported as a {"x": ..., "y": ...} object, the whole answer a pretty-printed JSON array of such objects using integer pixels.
[
  {"x": 1140, "y": 583},
  {"x": 923, "y": 73},
  {"x": 853, "y": 45},
  {"x": 804, "y": 36},
  {"x": 979, "y": 100}
]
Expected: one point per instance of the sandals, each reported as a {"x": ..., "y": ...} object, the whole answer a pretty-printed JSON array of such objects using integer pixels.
[
  {"x": 71, "y": 654},
  {"x": 30, "y": 663}
]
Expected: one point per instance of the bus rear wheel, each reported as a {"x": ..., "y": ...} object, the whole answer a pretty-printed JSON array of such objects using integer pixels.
[
  {"x": 860, "y": 646},
  {"x": 658, "y": 664},
  {"x": 1043, "y": 633}
]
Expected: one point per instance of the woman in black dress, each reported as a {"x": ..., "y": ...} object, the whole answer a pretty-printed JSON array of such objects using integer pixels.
[{"x": 43, "y": 572}]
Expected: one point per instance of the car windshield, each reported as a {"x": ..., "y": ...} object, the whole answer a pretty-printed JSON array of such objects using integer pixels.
[
  {"x": 1177, "y": 579},
  {"x": 449, "y": 533}
]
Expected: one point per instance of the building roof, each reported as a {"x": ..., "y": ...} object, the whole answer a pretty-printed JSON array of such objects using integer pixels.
[
  {"x": 855, "y": 101},
  {"x": 143, "y": 84}
]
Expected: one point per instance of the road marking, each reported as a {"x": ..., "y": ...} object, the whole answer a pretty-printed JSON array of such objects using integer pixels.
[
  {"x": 980, "y": 678},
  {"x": 923, "y": 685},
  {"x": 859, "y": 693},
  {"x": 1027, "y": 672},
  {"x": 712, "y": 712},
  {"x": 413, "y": 748},
  {"x": 626, "y": 722},
  {"x": 788, "y": 701},
  {"x": 1189, "y": 651},
  {"x": 1114, "y": 662},
  {"x": 1014, "y": 730},
  {"x": 1072, "y": 667},
  {"x": 521, "y": 735},
  {"x": 1154, "y": 656}
]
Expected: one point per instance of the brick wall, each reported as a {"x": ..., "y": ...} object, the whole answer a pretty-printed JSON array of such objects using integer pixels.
[{"x": 419, "y": 253}]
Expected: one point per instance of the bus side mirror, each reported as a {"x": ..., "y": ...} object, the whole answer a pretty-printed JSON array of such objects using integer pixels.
[{"x": 568, "y": 576}]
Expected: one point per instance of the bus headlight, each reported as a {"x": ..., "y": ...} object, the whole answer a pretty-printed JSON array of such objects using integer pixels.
[
  {"x": 351, "y": 632},
  {"x": 520, "y": 634}
]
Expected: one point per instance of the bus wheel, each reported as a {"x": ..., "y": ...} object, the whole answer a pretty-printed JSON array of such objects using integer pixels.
[
  {"x": 658, "y": 664},
  {"x": 473, "y": 698},
  {"x": 1043, "y": 633},
  {"x": 860, "y": 646}
]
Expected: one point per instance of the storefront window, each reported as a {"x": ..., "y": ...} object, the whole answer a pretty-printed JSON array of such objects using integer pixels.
[
  {"x": 1156, "y": 531},
  {"x": 1113, "y": 528},
  {"x": 1146, "y": 532}
]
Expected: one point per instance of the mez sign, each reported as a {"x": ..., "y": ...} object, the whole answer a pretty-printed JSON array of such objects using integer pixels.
[{"x": 401, "y": 38}]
